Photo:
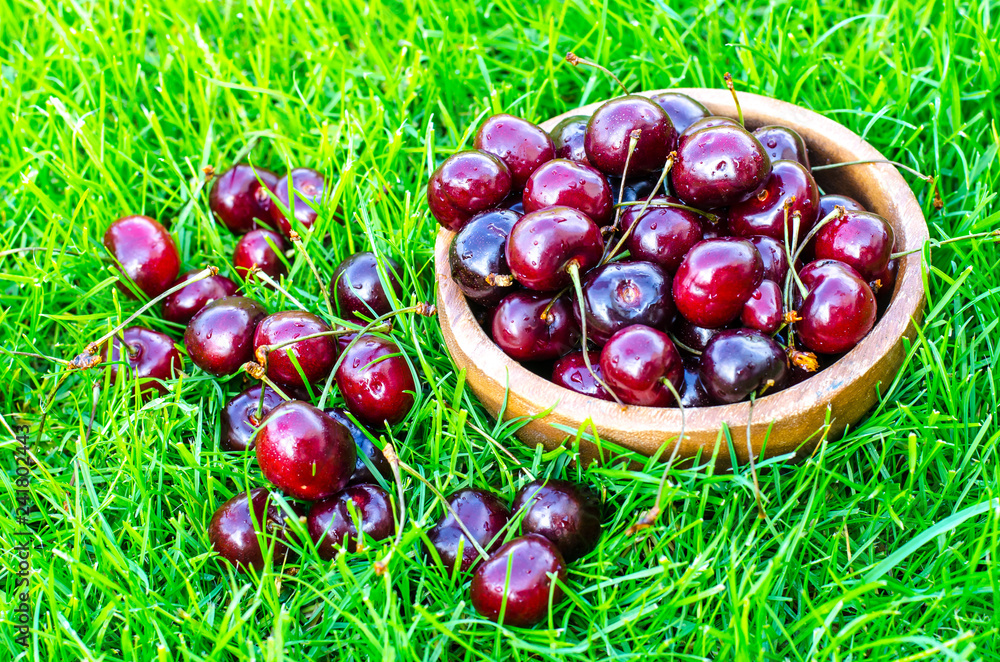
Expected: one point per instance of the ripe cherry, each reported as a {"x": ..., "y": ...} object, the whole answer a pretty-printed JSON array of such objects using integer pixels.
[
  {"x": 261, "y": 249},
  {"x": 885, "y": 282},
  {"x": 637, "y": 362},
  {"x": 376, "y": 381},
  {"x": 663, "y": 235},
  {"x": 478, "y": 256},
  {"x": 682, "y": 109},
  {"x": 781, "y": 142},
  {"x": 568, "y": 137},
  {"x": 483, "y": 514},
  {"x": 357, "y": 289},
  {"x": 624, "y": 293},
  {"x": 693, "y": 336},
  {"x": 739, "y": 362},
  {"x": 545, "y": 245},
  {"x": 332, "y": 521},
  {"x": 365, "y": 449},
  {"x": 764, "y": 213},
  {"x": 521, "y": 145},
  {"x": 693, "y": 392},
  {"x": 243, "y": 414},
  {"x": 241, "y": 538},
  {"x": 219, "y": 339},
  {"x": 565, "y": 183},
  {"x": 183, "y": 304},
  {"x": 773, "y": 256},
  {"x": 466, "y": 184},
  {"x": 145, "y": 252},
  {"x": 715, "y": 279},
  {"x": 571, "y": 372},
  {"x": 828, "y": 202},
  {"x": 764, "y": 310},
  {"x": 304, "y": 452},
  {"x": 520, "y": 329},
  {"x": 151, "y": 358},
  {"x": 839, "y": 311},
  {"x": 562, "y": 512},
  {"x": 307, "y": 187},
  {"x": 859, "y": 239},
  {"x": 515, "y": 586},
  {"x": 239, "y": 198},
  {"x": 706, "y": 123},
  {"x": 719, "y": 166},
  {"x": 636, "y": 189},
  {"x": 293, "y": 363},
  {"x": 609, "y": 133}
]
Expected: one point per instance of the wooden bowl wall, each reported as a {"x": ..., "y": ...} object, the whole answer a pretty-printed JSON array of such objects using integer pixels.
[{"x": 791, "y": 420}]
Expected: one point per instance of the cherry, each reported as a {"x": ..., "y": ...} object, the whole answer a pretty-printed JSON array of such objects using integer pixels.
[
  {"x": 239, "y": 541},
  {"x": 565, "y": 514},
  {"x": 663, "y": 235},
  {"x": 567, "y": 138},
  {"x": 520, "y": 330},
  {"x": 295, "y": 363},
  {"x": 183, "y": 304},
  {"x": 332, "y": 521},
  {"x": 693, "y": 336},
  {"x": 521, "y": 145},
  {"x": 706, "y": 123},
  {"x": 308, "y": 186},
  {"x": 565, "y": 183},
  {"x": 739, "y": 362},
  {"x": 682, "y": 109},
  {"x": 885, "y": 281},
  {"x": 219, "y": 338},
  {"x": 479, "y": 254},
  {"x": 828, "y": 202},
  {"x": 693, "y": 392},
  {"x": 145, "y": 252},
  {"x": 623, "y": 293},
  {"x": 859, "y": 239},
  {"x": 764, "y": 213},
  {"x": 544, "y": 245},
  {"x": 376, "y": 381},
  {"x": 239, "y": 198},
  {"x": 304, "y": 452},
  {"x": 515, "y": 585},
  {"x": 719, "y": 166},
  {"x": 261, "y": 249},
  {"x": 465, "y": 184},
  {"x": 357, "y": 290},
  {"x": 635, "y": 189},
  {"x": 715, "y": 279},
  {"x": 516, "y": 206},
  {"x": 764, "y": 310},
  {"x": 151, "y": 358},
  {"x": 240, "y": 417},
  {"x": 773, "y": 256},
  {"x": 365, "y": 448},
  {"x": 483, "y": 514},
  {"x": 781, "y": 142},
  {"x": 839, "y": 311},
  {"x": 637, "y": 361},
  {"x": 571, "y": 372},
  {"x": 609, "y": 132}
]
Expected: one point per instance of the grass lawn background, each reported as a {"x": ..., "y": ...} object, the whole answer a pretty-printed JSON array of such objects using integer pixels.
[{"x": 109, "y": 109}]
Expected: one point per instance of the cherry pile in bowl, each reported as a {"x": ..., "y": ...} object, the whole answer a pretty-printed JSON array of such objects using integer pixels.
[{"x": 654, "y": 252}]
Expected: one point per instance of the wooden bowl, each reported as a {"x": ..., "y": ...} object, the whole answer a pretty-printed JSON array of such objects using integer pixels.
[{"x": 789, "y": 421}]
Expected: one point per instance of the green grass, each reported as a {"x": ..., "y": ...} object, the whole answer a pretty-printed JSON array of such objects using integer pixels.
[{"x": 108, "y": 109}]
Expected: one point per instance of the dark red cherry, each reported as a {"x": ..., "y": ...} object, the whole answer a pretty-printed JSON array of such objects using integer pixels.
[
  {"x": 739, "y": 362},
  {"x": 610, "y": 129},
  {"x": 365, "y": 449},
  {"x": 693, "y": 336},
  {"x": 479, "y": 254},
  {"x": 885, "y": 281},
  {"x": 636, "y": 189},
  {"x": 706, "y": 123},
  {"x": 516, "y": 206},
  {"x": 483, "y": 514},
  {"x": 376, "y": 382},
  {"x": 571, "y": 372},
  {"x": 357, "y": 289},
  {"x": 293, "y": 363},
  {"x": 764, "y": 213},
  {"x": 637, "y": 361},
  {"x": 543, "y": 244},
  {"x": 624, "y": 293},
  {"x": 515, "y": 586},
  {"x": 183, "y": 304},
  {"x": 566, "y": 514},
  {"x": 663, "y": 235},
  {"x": 719, "y": 166},
  {"x": 303, "y": 452},
  {"x": 773, "y": 255},
  {"x": 764, "y": 310},
  {"x": 567, "y": 138},
  {"x": 219, "y": 339},
  {"x": 243, "y": 414},
  {"x": 466, "y": 184},
  {"x": 307, "y": 186},
  {"x": 565, "y": 183},
  {"x": 521, "y": 145},
  {"x": 693, "y": 392},
  {"x": 332, "y": 521},
  {"x": 261, "y": 249},
  {"x": 145, "y": 252},
  {"x": 781, "y": 142},
  {"x": 239, "y": 198},
  {"x": 859, "y": 239},
  {"x": 839, "y": 311},
  {"x": 151, "y": 358},
  {"x": 828, "y": 202},
  {"x": 682, "y": 109},
  {"x": 715, "y": 279},
  {"x": 240, "y": 537},
  {"x": 520, "y": 330}
]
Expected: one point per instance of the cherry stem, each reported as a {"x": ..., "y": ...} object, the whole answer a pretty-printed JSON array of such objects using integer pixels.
[
  {"x": 713, "y": 218},
  {"x": 259, "y": 372},
  {"x": 264, "y": 350},
  {"x": 633, "y": 141},
  {"x": 38, "y": 249},
  {"x": 728, "y": 78},
  {"x": 576, "y": 60},
  {"x": 32, "y": 355},
  {"x": 677, "y": 342},
  {"x": 649, "y": 518},
  {"x": 830, "y": 166},
  {"x": 424, "y": 309},
  {"x": 499, "y": 280},
  {"x": 390, "y": 454},
  {"x": 297, "y": 242},
  {"x": 793, "y": 274},
  {"x": 837, "y": 213},
  {"x": 270, "y": 281},
  {"x": 608, "y": 256},
  {"x": 934, "y": 243},
  {"x": 761, "y": 514},
  {"x": 573, "y": 268}
]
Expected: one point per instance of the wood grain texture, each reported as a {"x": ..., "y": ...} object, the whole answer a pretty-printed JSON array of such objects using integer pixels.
[{"x": 790, "y": 421}]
